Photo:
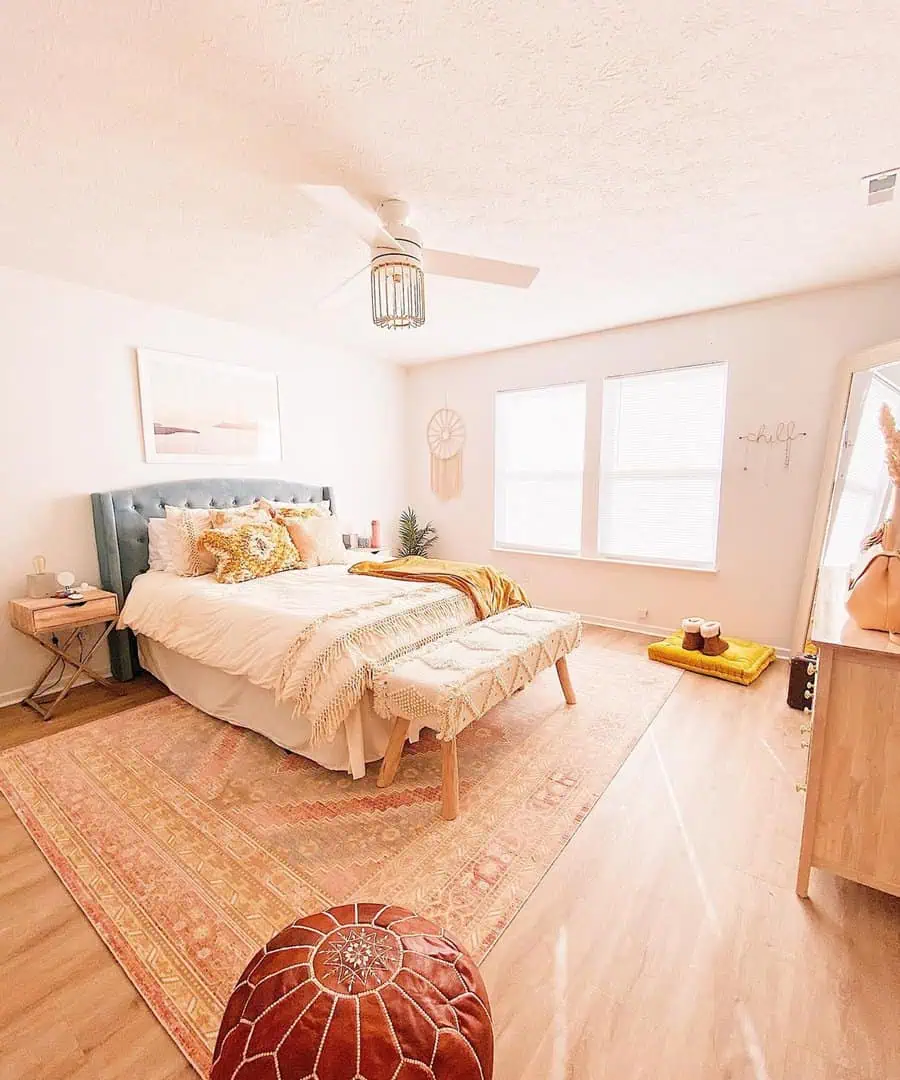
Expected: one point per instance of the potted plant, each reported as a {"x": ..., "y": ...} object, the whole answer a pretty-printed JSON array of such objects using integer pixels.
[{"x": 415, "y": 539}]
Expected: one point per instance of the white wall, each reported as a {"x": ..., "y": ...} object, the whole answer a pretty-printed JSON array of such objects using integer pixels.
[
  {"x": 783, "y": 357},
  {"x": 70, "y": 425}
]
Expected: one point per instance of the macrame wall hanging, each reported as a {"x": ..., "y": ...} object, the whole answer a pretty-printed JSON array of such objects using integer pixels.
[{"x": 446, "y": 438}]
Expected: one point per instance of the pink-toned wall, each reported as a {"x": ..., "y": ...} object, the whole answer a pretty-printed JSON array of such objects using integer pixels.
[
  {"x": 783, "y": 357},
  {"x": 70, "y": 424}
]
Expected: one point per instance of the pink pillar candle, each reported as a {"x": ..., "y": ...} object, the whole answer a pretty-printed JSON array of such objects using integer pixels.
[{"x": 376, "y": 534}]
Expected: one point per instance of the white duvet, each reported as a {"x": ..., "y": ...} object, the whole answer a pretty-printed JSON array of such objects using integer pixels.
[{"x": 312, "y": 636}]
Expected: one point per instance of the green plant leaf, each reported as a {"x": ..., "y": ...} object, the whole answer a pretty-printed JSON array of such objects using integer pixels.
[{"x": 415, "y": 539}]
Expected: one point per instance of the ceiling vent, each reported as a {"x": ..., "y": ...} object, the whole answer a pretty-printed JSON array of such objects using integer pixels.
[{"x": 880, "y": 187}]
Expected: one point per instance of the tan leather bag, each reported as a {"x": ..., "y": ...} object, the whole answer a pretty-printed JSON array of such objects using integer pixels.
[{"x": 874, "y": 600}]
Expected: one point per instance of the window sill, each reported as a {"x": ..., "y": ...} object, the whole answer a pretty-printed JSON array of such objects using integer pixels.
[{"x": 606, "y": 559}]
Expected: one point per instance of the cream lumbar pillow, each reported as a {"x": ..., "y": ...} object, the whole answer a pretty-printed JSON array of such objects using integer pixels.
[
  {"x": 318, "y": 540},
  {"x": 185, "y": 526}
]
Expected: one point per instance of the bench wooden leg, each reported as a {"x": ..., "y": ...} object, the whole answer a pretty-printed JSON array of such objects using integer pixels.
[
  {"x": 565, "y": 680},
  {"x": 449, "y": 781},
  {"x": 392, "y": 755}
]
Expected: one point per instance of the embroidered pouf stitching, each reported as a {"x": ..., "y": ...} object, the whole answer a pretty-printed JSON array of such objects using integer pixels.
[{"x": 367, "y": 991}]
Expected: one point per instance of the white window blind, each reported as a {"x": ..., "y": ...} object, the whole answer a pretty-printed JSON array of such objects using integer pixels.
[
  {"x": 863, "y": 480},
  {"x": 661, "y": 466},
  {"x": 538, "y": 468}
]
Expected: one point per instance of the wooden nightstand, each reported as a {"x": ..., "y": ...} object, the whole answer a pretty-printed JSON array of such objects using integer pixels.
[{"x": 48, "y": 620}]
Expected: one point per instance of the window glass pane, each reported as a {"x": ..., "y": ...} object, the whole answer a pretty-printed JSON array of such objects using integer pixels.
[
  {"x": 661, "y": 464},
  {"x": 542, "y": 430},
  {"x": 538, "y": 467},
  {"x": 643, "y": 521},
  {"x": 544, "y": 513},
  {"x": 673, "y": 412}
]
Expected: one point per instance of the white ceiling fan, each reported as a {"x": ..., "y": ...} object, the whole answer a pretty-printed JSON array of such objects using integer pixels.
[{"x": 399, "y": 261}]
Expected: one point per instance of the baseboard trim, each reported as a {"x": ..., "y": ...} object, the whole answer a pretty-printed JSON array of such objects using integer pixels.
[
  {"x": 781, "y": 651},
  {"x": 632, "y": 628},
  {"x": 13, "y": 697}
]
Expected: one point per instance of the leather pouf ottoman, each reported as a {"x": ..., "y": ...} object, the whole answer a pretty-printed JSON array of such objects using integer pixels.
[{"x": 359, "y": 992}]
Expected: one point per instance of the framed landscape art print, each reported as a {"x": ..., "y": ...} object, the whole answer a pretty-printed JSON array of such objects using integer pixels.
[{"x": 195, "y": 410}]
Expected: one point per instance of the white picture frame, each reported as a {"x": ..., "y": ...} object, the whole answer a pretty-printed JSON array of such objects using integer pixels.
[{"x": 195, "y": 410}]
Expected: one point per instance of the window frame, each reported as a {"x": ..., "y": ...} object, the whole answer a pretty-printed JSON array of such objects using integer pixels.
[
  {"x": 534, "y": 549},
  {"x": 640, "y": 560}
]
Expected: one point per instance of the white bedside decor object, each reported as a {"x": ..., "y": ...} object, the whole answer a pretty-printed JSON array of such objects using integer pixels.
[
  {"x": 40, "y": 584},
  {"x": 66, "y": 581}
]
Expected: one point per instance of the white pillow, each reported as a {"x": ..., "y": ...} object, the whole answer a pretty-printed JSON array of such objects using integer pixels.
[{"x": 160, "y": 552}]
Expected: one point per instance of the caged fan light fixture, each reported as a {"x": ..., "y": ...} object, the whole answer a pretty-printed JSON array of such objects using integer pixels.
[
  {"x": 398, "y": 260},
  {"x": 398, "y": 290}
]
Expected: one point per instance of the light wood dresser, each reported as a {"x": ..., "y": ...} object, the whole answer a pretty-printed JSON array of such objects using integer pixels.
[{"x": 851, "y": 824}]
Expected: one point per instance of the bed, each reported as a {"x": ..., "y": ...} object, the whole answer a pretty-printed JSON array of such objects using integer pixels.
[{"x": 289, "y": 656}]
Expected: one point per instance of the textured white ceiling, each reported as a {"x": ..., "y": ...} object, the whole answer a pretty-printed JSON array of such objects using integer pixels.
[{"x": 653, "y": 158}]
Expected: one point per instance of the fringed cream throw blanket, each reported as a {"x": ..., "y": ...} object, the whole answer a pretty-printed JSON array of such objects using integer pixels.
[{"x": 314, "y": 637}]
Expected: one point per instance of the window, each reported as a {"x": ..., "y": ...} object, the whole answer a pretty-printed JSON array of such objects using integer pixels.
[
  {"x": 661, "y": 466},
  {"x": 862, "y": 486},
  {"x": 538, "y": 467}
]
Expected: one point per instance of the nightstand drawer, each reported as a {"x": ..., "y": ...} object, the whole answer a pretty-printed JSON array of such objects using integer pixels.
[
  {"x": 104, "y": 607},
  {"x": 41, "y": 616}
]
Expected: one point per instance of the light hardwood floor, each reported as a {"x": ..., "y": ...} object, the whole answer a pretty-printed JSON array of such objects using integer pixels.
[{"x": 666, "y": 942}]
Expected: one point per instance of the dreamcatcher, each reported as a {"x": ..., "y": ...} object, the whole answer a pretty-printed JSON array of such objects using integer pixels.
[{"x": 446, "y": 437}]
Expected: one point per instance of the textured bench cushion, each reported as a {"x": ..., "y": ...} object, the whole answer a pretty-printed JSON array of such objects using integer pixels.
[{"x": 451, "y": 682}]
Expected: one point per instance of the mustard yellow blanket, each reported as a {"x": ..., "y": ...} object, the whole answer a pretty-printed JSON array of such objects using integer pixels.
[{"x": 489, "y": 589}]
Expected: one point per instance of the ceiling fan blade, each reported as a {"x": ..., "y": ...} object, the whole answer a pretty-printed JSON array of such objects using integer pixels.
[
  {"x": 474, "y": 268},
  {"x": 356, "y": 215},
  {"x": 328, "y": 301}
]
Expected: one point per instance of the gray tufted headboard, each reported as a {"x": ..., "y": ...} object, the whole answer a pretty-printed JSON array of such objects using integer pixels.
[{"x": 120, "y": 526}]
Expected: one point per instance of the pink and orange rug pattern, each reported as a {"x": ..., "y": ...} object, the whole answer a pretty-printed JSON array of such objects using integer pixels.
[{"x": 188, "y": 843}]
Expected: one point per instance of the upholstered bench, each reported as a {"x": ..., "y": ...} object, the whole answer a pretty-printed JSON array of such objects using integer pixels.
[{"x": 449, "y": 683}]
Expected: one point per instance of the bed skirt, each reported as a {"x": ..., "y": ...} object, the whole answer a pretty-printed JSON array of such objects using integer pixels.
[{"x": 362, "y": 737}]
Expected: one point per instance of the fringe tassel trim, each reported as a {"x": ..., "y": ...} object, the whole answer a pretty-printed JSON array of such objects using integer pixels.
[{"x": 441, "y": 615}]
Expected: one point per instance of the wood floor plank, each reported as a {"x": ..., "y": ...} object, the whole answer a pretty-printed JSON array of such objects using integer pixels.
[{"x": 665, "y": 943}]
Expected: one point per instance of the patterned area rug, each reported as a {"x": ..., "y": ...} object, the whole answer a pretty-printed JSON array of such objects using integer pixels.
[{"x": 188, "y": 843}]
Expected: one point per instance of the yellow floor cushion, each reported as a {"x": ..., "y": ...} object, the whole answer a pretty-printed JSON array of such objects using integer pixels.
[{"x": 744, "y": 661}]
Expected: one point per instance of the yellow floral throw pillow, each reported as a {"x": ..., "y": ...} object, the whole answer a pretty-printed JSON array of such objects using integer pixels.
[
  {"x": 299, "y": 513},
  {"x": 254, "y": 550},
  {"x": 295, "y": 510},
  {"x": 237, "y": 515}
]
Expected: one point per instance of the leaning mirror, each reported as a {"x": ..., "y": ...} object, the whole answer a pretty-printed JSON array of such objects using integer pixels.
[{"x": 855, "y": 498}]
